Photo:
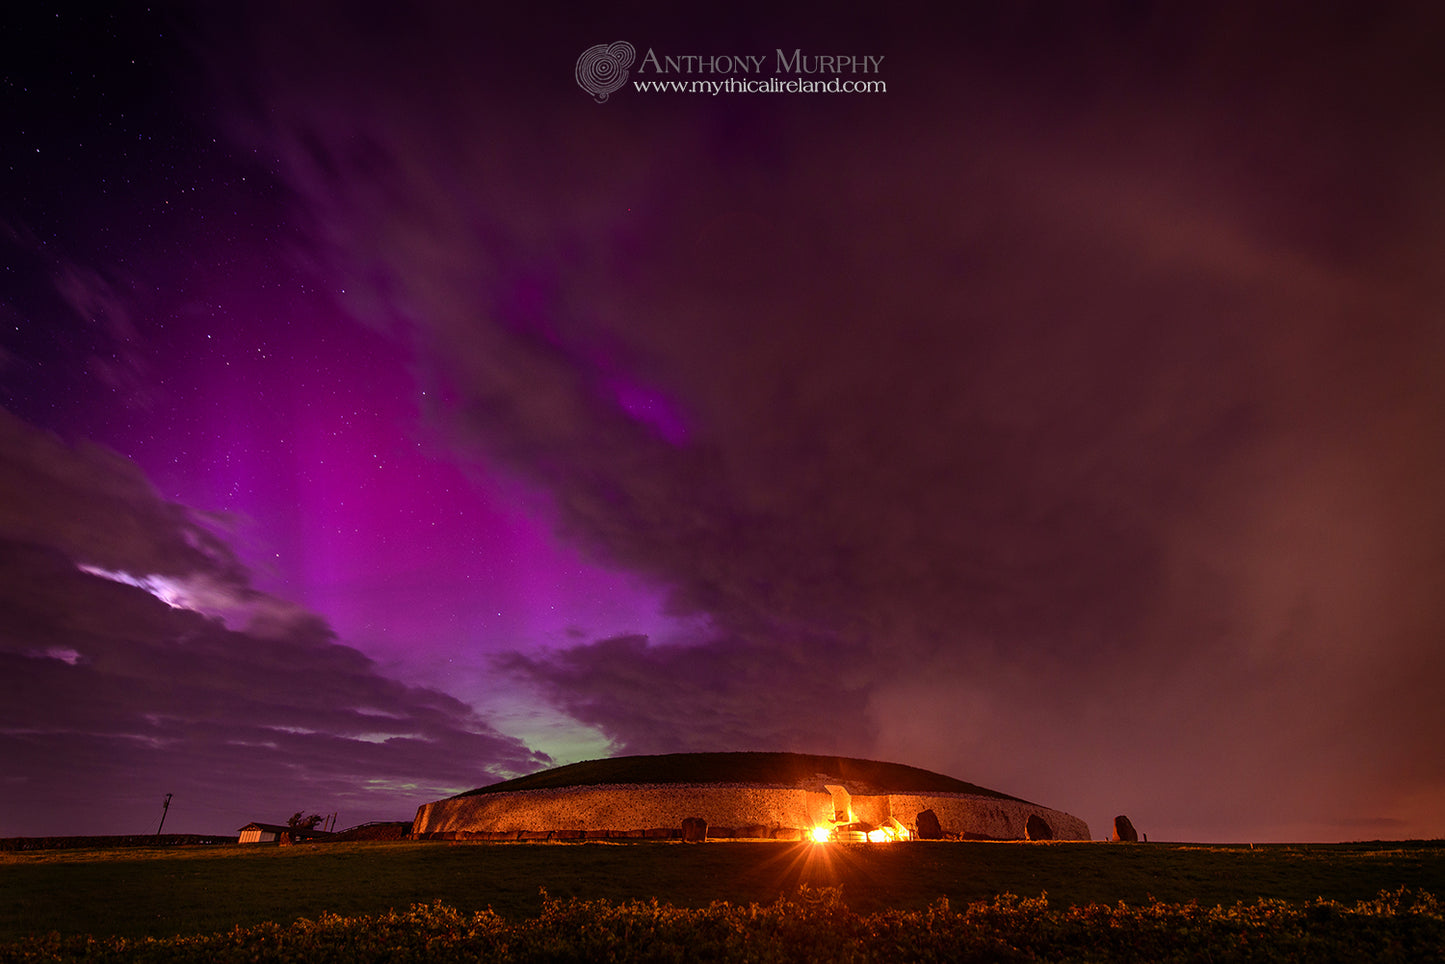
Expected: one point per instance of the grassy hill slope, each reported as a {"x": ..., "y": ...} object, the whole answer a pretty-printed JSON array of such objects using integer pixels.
[{"x": 786, "y": 769}]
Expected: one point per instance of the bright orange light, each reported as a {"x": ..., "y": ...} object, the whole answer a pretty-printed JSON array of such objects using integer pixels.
[
  {"x": 877, "y": 836},
  {"x": 820, "y": 835}
]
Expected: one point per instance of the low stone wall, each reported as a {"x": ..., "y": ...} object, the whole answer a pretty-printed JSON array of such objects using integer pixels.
[
  {"x": 107, "y": 842},
  {"x": 594, "y": 812},
  {"x": 752, "y": 832}
]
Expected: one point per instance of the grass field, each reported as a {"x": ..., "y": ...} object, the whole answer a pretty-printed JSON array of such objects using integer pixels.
[{"x": 160, "y": 893}]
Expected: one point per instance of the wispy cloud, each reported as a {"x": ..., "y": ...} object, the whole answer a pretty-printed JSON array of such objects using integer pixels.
[{"x": 121, "y": 689}]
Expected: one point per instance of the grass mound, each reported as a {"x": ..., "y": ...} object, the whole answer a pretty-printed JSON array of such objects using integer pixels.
[{"x": 782, "y": 769}]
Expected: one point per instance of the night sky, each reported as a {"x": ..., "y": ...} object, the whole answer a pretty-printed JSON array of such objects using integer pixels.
[{"x": 381, "y": 416}]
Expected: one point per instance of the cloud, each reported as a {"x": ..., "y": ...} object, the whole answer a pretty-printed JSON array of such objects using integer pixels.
[
  {"x": 697, "y": 698},
  {"x": 90, "y": 335},
  {"x": 1047, "y": 407},
  {"x": 114, "y": 696},
  {"x": 97, "y": 508}
]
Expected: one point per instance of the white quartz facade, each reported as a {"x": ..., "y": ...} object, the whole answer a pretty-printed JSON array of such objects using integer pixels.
[{"x": 625, "y": 807}]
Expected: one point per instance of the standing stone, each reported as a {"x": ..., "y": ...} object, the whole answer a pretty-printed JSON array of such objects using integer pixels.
[
  {"x": 1037, "y": 828},
  {"x": 694, "y": 829},
  {"x": 929, "y": 827},
  {"x": 1124, "y": 830}
]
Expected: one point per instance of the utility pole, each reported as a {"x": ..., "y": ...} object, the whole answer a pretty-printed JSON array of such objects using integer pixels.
[{"x": 165, "y": 807}]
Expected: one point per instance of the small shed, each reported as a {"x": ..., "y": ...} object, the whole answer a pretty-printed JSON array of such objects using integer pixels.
[{"x": 255, "y": 832}]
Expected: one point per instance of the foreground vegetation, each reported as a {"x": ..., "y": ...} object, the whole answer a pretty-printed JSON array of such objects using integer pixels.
[
  {"x": 755, "y": 901},
  {"x": 813, "y": 926}
]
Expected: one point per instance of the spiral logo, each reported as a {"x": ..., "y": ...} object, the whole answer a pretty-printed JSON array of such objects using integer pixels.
[{"x": 603, "y": 69}]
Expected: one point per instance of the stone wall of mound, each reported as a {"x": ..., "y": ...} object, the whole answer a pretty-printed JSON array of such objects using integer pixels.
[
  {"x": 983, "y": 817},
  {"x": 620, "y": 809}
]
